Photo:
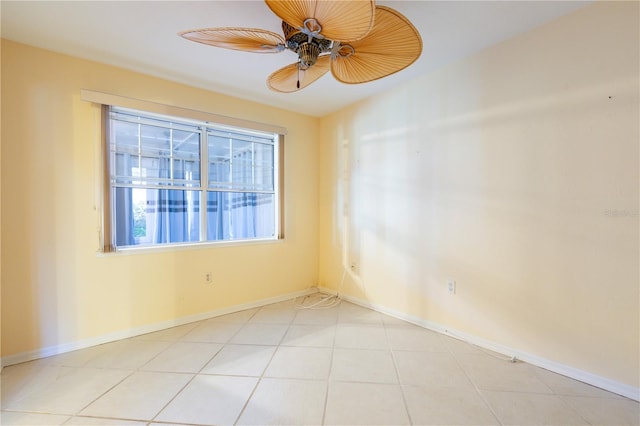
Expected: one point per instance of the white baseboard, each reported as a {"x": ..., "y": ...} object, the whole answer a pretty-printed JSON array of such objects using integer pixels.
[
  {"x": 150, "y": 328},
  {"x": 565, "y": 370}
]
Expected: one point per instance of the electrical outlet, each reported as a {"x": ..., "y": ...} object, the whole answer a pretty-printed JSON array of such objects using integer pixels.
[
  {"x": 208, "y": 278},
  {"x": 451, "y": 285}
]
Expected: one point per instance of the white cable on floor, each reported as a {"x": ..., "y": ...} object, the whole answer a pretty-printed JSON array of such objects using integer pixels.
[{"x": 328, "y": 301}]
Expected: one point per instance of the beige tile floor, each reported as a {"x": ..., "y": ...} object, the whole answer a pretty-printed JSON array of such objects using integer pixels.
[{"x": 281, "y": 365}]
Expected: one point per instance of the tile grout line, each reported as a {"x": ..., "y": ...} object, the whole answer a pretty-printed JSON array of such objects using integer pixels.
[
  {"x": 183, "y": 387},
  {"x": 139, "y": 369},
  {"x": 255, "y": 388},
  {"x": 461, "y": 358},
  {"x": 395, "y": 367},
  {"x": 84, "y": 366},
  {"x": 131, "y": 373},
  {"x": 203, "y": 366},
  {"x": 488, "y": 404},
  {"x": 333, "y": 351},
  {"x": 224, "y": 344},
  {"x": 475, "y": 386}
]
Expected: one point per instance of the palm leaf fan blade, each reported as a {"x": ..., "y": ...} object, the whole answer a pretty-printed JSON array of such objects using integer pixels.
[
  {"x": 392, "y": 45},
  {"x": 245, "y": 39},
  {"x": 291, "y": 78},
  {"x": 339, "y": 19},
  {"x": 292, "y": 12}
]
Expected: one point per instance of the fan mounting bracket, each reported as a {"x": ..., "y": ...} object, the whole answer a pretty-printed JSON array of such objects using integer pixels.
[
  {"x": 342, "y": 50},
  {"x": 312, "y": 28}
]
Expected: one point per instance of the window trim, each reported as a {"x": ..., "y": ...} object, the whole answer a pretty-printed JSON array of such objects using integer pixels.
[
  {"x": 106, "y": 236},
  {"x": 105, "y": 101},
  {"x": 171, "y": 110}
]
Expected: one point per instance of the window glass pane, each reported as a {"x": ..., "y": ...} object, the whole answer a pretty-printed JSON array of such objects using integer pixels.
[
  {"x": 124, "y": 167},
  {"x": 240, "y": 215},
  {"x": 154, "y": 151},
  {"x": 186, "y": 158},
  {"x": 264, "y": 167},
  {"x": 155, "y": 148},
  {"x": 155, "y": 216},
  {"x": 219, "y": 162},
  {"x": 155, "y": 141},
  {"x": 240, "y": 164},
  {"x": 124, "y": 148},
  {"x": 156, "y": 186},
  {"x": 126, "y": 137},
  {"x": 151, "y": 171}
]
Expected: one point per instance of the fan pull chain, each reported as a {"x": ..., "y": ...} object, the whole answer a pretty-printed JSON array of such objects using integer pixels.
[{"x": 298, "y": 82}]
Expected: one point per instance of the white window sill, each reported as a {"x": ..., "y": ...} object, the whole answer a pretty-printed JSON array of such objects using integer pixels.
[{"x": 206, "y": 245}]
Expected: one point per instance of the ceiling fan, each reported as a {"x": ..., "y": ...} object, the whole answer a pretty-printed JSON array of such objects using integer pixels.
[{"x": 357, "y": 40}]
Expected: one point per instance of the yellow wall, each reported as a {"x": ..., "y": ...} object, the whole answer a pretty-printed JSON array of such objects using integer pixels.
[
  {"x": 513, "y": 172},
  {"x": 55, "y": 289}
]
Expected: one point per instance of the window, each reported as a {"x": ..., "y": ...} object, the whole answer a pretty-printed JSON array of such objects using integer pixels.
[{"x": 163, "y": 169}]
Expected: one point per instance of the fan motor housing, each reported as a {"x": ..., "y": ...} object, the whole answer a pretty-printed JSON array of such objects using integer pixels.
[{"x": 306, "y": 46}]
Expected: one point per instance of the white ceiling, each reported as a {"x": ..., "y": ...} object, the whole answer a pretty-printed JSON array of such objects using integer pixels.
[{"x": 141, "y": 36}]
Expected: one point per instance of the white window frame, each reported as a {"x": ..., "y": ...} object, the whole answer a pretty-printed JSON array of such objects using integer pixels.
[{"x": 152, "y": 109}]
